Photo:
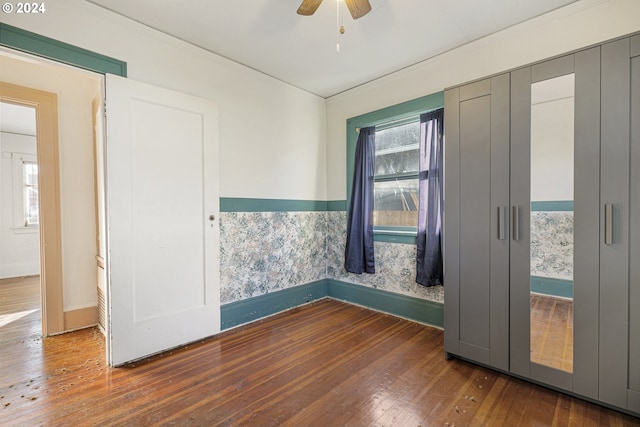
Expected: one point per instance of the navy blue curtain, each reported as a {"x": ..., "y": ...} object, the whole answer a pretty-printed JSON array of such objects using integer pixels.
[
  {"x": 429, "y": 251},
  {"x": 358, "y": 254}
]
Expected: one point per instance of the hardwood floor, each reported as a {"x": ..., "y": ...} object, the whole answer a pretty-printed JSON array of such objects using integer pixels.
[
  {"x": 552, "y": 331},
  {"x": 20, "y": 313},
  {"x": 324, "y": 364}
]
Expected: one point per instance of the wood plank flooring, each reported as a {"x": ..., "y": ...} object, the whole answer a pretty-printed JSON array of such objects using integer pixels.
[
  {"x": 20, "y": 313},
  {"x": 552, "y": 331},
  {"x": 324, "y": 364}
]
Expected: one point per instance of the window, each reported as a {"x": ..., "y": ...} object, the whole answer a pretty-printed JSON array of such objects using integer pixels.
[
  {"x": 396, "y": 175},
  {"x": 396, "y": 171},
  {"x": 25, "y": 192},
  {"x": 30, "y": 192}
]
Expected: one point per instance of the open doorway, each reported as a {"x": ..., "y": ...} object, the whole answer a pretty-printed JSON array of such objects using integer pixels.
[
  {"x": 62, "y": 98},
  {"x": 20, "y": 296}
]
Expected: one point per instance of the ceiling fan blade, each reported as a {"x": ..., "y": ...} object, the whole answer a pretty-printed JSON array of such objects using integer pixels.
[
  {"x": 308, "y": 7},
  {"x": 358, "y": 8}
]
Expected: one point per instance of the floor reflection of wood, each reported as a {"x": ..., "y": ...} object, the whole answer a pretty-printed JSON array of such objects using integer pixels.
[{"x": 552, "y": 331}]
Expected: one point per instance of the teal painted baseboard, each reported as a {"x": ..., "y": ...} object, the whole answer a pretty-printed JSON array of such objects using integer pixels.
[
  {"x": 417, "y": 309},
  {"x": 550, "y": 286},
  {"x": 248, "y": 310}
]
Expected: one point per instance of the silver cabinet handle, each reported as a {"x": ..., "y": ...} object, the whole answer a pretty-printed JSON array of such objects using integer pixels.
[
  {"x": 608, "y": 224},
  {"x": 516, "y": 222},
  {"x": 502, "y": 222}
]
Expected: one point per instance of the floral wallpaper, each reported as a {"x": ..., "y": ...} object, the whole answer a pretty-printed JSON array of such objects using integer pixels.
[
  {"x": 263, "y": 252},
  {"x": 395, "y": 264},
  {"x": 552, "y": 244}
]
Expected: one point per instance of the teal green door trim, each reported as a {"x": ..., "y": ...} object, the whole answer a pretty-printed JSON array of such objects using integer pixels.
[{"x": 45, "y": 47}]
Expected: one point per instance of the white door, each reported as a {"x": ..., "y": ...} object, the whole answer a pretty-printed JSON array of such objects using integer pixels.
[{"x": 162, "y": 210}]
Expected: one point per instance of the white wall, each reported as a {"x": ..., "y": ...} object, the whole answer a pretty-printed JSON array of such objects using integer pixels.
[
  {"x": 75, "y": 92},
  {"x": 272, "y": 135},
  {"x": 19, "y": 249},
  {"x": 580, "y": 24}
]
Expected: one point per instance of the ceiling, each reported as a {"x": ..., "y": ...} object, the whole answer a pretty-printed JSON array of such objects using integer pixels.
[{"x": 268, "y": 35}]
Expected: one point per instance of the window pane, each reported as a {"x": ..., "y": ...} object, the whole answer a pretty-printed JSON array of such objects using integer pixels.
[
  {"x": 30, "y": 193},
  {"x": 396, "y": 203},
  {"x": 31, "y": 202},
  {"x": 30, "y": 173},
  {"x": 397, "y": 149}
]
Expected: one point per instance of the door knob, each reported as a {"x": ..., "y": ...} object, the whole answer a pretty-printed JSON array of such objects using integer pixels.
[{"x": 212, "y": 217}]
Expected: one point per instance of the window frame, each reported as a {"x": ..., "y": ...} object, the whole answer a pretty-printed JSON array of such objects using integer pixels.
[
  {"x": 19, "y": 203},
  {"x": 405, "y": 112},
  {"x": 386, "y": 229}
]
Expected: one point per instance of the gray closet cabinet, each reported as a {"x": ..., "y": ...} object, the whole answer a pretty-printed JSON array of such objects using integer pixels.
[
  {"x": 476, "y": 249},
  {"x": 542, "y": 221}
]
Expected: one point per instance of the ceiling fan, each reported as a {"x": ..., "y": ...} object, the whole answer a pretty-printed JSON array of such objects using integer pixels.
[{"x": 357, "y": 8}]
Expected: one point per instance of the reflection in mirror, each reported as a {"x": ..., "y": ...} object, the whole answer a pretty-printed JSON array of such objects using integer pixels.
[{"x": 551, "y": 259}]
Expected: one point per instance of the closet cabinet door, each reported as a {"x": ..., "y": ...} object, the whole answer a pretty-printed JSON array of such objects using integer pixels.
[
  {"x": 555, "y": 151},
  {"x": 476, "y": 244},
  {"x": 620, "y": 238},
  {"x": 634, "y": 235}
]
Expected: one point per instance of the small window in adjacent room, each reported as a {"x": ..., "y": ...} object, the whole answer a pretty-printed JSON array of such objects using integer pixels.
[
  {"x": 25, "y": 193},
  {"x": 30, "y": 195},
  {"x": 396, "y": 175}
]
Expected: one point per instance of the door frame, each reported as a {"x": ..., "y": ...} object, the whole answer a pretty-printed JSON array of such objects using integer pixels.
[
  {"x": 20, "y": 40},
  {"x": 46, "y": 106}
]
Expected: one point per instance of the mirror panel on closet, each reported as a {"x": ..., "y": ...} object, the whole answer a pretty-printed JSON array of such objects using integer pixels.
[
  {"x": 551, "y": 219},
  {"x": 554, "y": 186}
]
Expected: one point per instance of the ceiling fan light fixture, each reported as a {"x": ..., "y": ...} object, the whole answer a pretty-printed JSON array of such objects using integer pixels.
[
  {"x": 309, "y": 7},
  {"x": 357, "y": 8}
]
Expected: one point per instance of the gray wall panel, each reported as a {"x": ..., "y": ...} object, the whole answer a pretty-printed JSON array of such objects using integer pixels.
[
  {"x": 633, "y": 399},
  {"x": 520, "y": 195},
  {"x": 500, "y": 105},
  {"x": 614, "y": 258},
  {"x": 475, "y": 215},
  {"x": 554, "y": 68},
  {"x": 586, "y": 271},
  {"x": 475, "y": 90},
  {"x": 635, "y": 46},
  {"x": 451, "y": 221},
  {"x": 553, "y": 377},
  {"x": 634, "y": 232},
  {"x": 476, "y": 182}
]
